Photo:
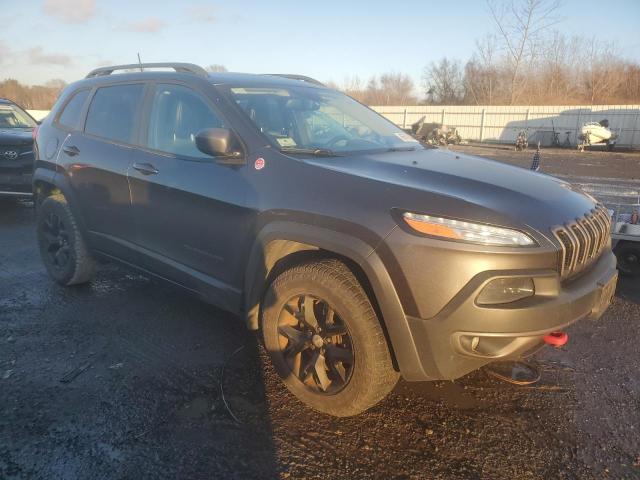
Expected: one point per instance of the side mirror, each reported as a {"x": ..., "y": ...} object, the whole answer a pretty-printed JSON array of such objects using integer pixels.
[{"x": 220, "y": 143}]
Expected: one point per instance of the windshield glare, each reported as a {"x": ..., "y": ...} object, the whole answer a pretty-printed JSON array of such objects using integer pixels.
[
  {"x": 313, "y": 119},
  {"x": 13, "y": 117}
]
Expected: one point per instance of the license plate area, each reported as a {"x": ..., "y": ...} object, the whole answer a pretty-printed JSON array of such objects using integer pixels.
[{"x": 607, "y": 291}]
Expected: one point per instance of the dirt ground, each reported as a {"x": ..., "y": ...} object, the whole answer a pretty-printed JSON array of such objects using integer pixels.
[
  {"x": 130, "y": 378},
  {"x": 594, "y": 163}
]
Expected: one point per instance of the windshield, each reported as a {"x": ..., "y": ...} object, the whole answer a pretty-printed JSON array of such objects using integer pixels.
[
  {"x": 14, "y": 117},
  {"x": 319, "y": 121}
]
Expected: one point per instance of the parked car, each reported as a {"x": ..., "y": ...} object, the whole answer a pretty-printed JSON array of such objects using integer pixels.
[
  {"x": 360, "y": 253},
  {"x": 16, "y": 150}
]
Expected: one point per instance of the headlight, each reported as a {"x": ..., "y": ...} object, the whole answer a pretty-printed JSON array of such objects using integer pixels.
[{"x": 467, "y": 231}]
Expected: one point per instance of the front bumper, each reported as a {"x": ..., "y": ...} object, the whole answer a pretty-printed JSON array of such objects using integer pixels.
[
  {"x": 16, "y": 176},
  {"x": 16, "y": 184},
  {"x": 464, "y": 336}
]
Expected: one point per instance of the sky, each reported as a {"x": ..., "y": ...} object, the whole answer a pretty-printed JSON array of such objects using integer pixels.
[{"x": 329, "y": 40}]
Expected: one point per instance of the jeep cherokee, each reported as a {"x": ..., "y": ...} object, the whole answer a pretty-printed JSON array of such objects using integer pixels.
[{"x": 360, "y": 253}]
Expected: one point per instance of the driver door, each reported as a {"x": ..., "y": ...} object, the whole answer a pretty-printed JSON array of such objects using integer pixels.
[{"x": 190, "y": 211}]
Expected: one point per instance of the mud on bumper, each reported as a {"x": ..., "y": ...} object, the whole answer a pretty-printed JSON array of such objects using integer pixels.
[{"x": 465, "y": 336}]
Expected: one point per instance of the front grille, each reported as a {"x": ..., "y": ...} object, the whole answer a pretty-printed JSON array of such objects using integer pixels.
[
  {"x": 583, "y": 240},
  {"x": 21, "y": 150},
  {"x": 15, "y": 148}
]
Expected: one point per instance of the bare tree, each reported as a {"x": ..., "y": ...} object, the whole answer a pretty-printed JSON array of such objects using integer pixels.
[
  {"x": 481, "y": 73},
  {"x": 520, "y": 26},
  {"x": 396, "y": 89},
  {"x": 602, "y": 69},
  {"x": 443, "y": 82}
]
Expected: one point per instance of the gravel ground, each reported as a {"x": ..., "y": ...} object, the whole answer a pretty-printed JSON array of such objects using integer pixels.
[
  {"x": 596, "y": 163},
  {"x": 123, "y": 378}
]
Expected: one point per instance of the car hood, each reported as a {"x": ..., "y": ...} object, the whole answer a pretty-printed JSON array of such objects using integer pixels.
[
  {"x": 15, "y": 136},
  {"x": 505, "y": 194}
]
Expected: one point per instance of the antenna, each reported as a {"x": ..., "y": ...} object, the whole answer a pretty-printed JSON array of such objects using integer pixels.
[{"x": 140, "y": 62}]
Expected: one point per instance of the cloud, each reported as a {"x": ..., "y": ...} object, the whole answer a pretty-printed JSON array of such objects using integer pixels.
[
  {"x": 202, "y": 13},
  {"x": 148, "y": 25},
  {"x": 70, "y": 11},
  {"x": 37, "y": 56}
]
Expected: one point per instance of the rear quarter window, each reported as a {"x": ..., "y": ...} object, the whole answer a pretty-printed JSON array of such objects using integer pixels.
[
  {"x": 113, "y": 111},
  {"x": 70, "y": 115}
]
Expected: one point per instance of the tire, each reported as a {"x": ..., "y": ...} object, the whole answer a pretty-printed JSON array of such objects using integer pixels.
[
  {"x": 628, "y": 255},
  {"x": 62, "y": 247},
  {"x": 359, "y": 379}
]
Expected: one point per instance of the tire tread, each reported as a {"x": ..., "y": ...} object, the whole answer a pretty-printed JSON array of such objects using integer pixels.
[{"x": 380, "y": 374}]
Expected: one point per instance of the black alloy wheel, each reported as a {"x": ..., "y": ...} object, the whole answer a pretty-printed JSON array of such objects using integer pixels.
[
  {"x": 56, "y": 241},
  {"x": 315, "y": 344}
]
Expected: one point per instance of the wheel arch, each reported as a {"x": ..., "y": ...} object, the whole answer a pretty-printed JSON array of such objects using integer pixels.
[
  {"x": 282, "y": 244},
  {"x": 48, "y": 182}
]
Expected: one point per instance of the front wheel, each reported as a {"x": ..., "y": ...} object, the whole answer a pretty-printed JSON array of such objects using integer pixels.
[{"x": 325, "y": 340}]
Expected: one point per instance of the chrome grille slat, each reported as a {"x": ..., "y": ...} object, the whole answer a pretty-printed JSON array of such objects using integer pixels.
[
  {"x": 604, "y": 231},
  {"x": 597, "y": 225},
  {"x": 602, "y": 221},
  {"x": 594, "y": 237},
  {"x": 582, "y": 241}
]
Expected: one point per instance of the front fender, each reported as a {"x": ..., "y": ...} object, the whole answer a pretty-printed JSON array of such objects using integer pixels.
[{"x": 279, "y": 239}]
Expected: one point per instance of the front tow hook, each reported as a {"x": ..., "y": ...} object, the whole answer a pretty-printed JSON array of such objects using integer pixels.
[{"x": 556, "y": 339}]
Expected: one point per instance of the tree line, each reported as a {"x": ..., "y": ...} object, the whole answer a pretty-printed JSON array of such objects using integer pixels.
[
  {"x": 32, "y": 97},
  {"x": 524, "y": 60}
]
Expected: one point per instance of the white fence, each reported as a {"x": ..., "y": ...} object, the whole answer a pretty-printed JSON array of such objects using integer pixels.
[
  {"x": 502, "y": 124},
  {"x": 38, "y": 114}
]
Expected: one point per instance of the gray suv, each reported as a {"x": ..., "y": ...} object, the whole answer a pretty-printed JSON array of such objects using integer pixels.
[{"x": 361, "y": 254}]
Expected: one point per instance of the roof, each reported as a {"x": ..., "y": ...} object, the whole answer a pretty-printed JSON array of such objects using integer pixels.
[
  {"x": 217, "y": 78},
  {"x": 253, "y": 79}
]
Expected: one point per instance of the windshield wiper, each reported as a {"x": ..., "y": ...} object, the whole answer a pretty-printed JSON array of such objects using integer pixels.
[
  {"x": 401, "y": 149},
  {"x": 316, "y": 152}
]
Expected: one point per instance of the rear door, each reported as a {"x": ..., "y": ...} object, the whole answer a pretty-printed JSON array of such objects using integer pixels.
[
  {"x": 96, "y": 162},
  {"x": 190, "y": 210}
]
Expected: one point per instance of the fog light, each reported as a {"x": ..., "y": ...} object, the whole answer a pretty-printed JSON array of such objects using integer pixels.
[{"x": 506, "y": 290}]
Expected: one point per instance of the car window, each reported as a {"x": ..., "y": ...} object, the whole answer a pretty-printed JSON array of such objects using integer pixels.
[
  {"x": 12, "y": 116},
  {"x": 177, "y": 115},
  {"x": 113, "y": 110},
  {"x": 307, "y": 118},
  {"x": 323, "y": 125},
  {"x": 70, "y": 116}
]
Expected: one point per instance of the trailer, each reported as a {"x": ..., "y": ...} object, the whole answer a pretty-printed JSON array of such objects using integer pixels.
[{"x": 623, "y": 203}]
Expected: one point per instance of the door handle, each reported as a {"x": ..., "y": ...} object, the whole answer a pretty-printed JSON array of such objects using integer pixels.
[
  {"x": 145, "y": 168},
  {"x": 71, "y": 150}
]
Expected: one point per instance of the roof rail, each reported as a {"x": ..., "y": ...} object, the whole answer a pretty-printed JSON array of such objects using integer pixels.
[
  {"x": 302, "y": 78},
  {"x": 178, "y": 67}
]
